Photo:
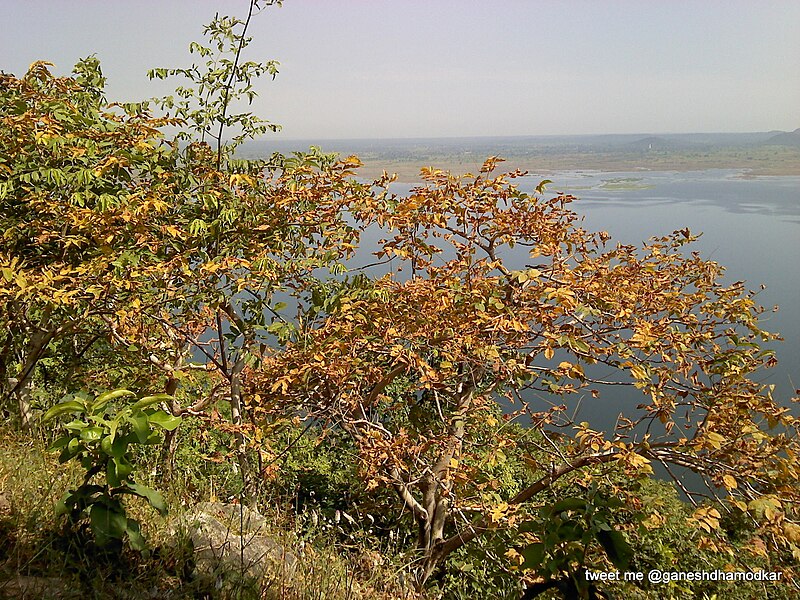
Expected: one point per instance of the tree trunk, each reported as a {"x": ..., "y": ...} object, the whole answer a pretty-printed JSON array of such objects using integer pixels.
[
  {"x": 20, "y": 387},
  {"x": 436, "y": 490},
  {"x": 238, "y": 419}
]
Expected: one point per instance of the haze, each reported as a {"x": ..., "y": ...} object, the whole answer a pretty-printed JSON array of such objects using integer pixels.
[{"x": 382, "y": 68}]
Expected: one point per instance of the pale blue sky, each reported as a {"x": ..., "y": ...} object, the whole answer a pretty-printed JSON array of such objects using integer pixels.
[{"x": 414, "y": 68}]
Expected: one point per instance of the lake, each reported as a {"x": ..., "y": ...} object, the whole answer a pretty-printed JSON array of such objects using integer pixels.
[{"x": 750, "y": 226}]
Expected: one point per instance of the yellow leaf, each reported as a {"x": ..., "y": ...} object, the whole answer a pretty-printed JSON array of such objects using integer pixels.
[
  {"x": 740, "y": 505},
  {"x": 238, "y": 178},
  {"x": 174, "y": 231},
  {"x": 498, "y": 512},
  {"x": 576, "y": 372},
  {"x": 654, "y": 521},
  {"x": 714, "y": 440},
  {"x": 638, "y": 461},
  {"x": 515, "y": 558},
  {"x": 792, "y": 532}
]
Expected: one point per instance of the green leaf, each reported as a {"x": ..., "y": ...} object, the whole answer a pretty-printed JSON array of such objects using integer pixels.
[
  {"x": 135, "y": 537},
  {"x": 533, "y": 555},
  {"x": 118, "y": 470},
  {"x": 121, "y": 415},
  {"x": 141, "y": 427},
  {"x": 66, "y": 455},
  {"x": 150, "y": 400},
  {"x": 570, "y": 531},
  {"x": 123, "y": 467},
  {"x": 120, "y": 446},
  {"x": 568, "y": 504},
  {"x": 164, "y": 420},
  {"x": 542, "y": 184},
  {"x": 92, "y": 434},
  {"x": 64, "y": 407},
  {"x": 106, "y": 445},
  {"x": 155, "y": 499},
  {"x": 59, "y": 443},
  {"x": 74, "y": 447},
  {"x": 61, "y": 507},
  {"x": 111, "y": 474},
  {"x": 107, "y": 524},
  {"x": 617, "y": 548},
  {"x": 76, "y": 426},
  {"x": 103, "y": 399}
]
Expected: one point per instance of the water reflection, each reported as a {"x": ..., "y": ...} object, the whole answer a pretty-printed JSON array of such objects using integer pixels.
[{"x": 731, "y": 190}]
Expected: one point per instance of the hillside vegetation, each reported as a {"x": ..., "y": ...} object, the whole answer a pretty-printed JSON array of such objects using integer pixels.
[{"x": 196, "y": 344}]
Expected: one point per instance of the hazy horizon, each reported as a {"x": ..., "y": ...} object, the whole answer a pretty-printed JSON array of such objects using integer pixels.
[
  {"x": 278, "y": 137},
  {"x": 352, "y": 69}
]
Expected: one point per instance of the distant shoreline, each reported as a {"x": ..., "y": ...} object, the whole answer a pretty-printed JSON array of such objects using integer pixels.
[
  {"x": 755, "y": 154},
  {"x": 756, "y": 165}
]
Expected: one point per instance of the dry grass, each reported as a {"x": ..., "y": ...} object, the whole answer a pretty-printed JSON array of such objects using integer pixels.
[{"x": 40, "y": 558}]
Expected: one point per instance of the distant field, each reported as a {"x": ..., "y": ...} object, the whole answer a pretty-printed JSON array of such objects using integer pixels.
[{"x": 757, "y": 161}]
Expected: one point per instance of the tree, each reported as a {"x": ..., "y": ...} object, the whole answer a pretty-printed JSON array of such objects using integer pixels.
[
  {"x": 118, "y": 237},
  {"x": 82, "y": 190},
  {"x": 413, "y": 366}
]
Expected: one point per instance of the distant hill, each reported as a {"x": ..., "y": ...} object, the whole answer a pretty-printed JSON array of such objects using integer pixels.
[{"x": 786, "y": 138}]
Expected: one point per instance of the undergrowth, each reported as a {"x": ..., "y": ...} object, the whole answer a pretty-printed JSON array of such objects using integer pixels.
[{"x": 42, "y": 557}]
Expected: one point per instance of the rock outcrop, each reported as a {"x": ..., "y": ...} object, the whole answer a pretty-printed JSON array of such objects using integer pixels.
[{"x": 231, "y": 540}]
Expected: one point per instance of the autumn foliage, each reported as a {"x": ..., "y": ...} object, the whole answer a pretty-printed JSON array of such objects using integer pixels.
[
  {"x": 452, "y": 332},
  {"x": 484, "y": 304}
]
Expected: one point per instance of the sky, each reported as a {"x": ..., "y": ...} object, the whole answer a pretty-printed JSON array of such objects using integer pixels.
[{"x": 451, "y": 68}]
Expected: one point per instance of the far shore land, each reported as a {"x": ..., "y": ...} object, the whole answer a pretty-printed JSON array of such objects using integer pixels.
[{"x": 770, "y": 161}]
